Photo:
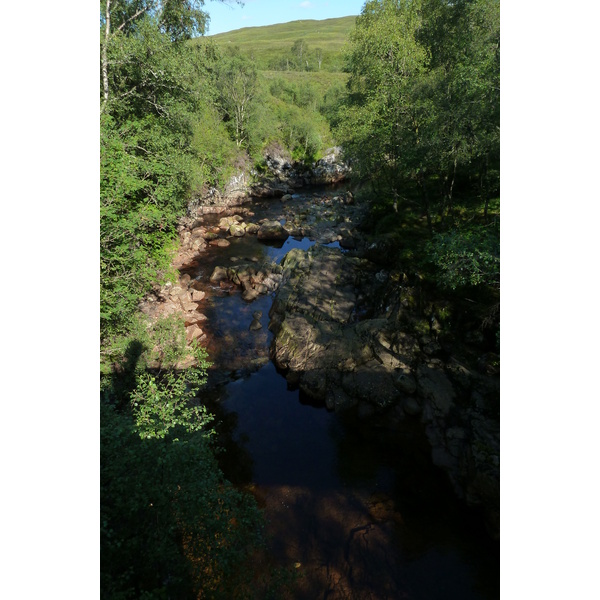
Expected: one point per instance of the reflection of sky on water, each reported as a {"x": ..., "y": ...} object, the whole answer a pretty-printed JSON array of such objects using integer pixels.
[{"x": 288, "y": 441}]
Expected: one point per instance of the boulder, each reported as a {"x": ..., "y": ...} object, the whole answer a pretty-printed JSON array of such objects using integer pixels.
[
  {"x": 193, "y": 318},
  {"x": 189, "y": 306},
  {"x": 219, "y": 274},
  {"x": 250, "y": 295},
  {"x": 192, "y": 332},
  {"x": 237, "y": 230},
  {"x": 434, "y": 386},
  {"x": 272, "y": 231},
  {"x": 411, "y": 407},
  {"x": 405, "y": 381},
  {"x": 373, "y": 383}
]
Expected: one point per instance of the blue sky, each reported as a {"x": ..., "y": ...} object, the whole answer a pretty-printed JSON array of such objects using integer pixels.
[{"x": 255, "y": 13}]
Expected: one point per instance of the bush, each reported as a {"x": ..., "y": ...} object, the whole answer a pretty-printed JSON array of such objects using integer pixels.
[
  {"x": 467, "y": 257},
  {"x": 171, "y": 525}
]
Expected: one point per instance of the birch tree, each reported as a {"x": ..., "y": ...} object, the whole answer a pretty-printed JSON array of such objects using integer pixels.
[{"x": 237, "y": 82}]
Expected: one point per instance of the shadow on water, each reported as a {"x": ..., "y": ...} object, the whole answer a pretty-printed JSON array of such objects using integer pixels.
[{"x": 358, "y": 508}]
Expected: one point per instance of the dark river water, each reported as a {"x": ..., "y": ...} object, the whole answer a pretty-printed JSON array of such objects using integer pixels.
[{"x": 355, "y": 511}]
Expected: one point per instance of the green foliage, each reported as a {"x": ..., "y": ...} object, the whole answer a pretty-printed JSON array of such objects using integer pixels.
[
  {"x": 171, "y": 525},
  {"x": 237, "y": 82},
  {"x": 162, "y": 405},
  {"x": 145, "y": 131},
  {"x": 292, "y": 102},
  {"x": 467, "y": 257},
  {"x": 333, "y": 100},
  {"x": 216, "y": 152},
  {"x": 422, "y": 110}
]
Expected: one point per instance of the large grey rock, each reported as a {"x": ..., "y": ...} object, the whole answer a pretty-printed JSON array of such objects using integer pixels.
[
  {"x": 250, "y": 295},
  {"x": 272, "y": 231},
  {"x": 255, "y": 325}
]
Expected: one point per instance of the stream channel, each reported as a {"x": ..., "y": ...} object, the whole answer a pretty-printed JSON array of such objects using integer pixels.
[{"x": 358, "y": 511}]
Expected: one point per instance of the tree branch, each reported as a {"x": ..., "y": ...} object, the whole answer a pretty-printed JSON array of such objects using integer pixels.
[{"x": 135, "y": 16}]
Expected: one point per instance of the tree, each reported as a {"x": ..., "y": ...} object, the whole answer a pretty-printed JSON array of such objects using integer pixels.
[
  {"x": 151, "y": 89},
  {"x": 423, "y": 99},
  {"x": 378, "y": 128},
  {"x": 299, "y": 49},
  {"x": 179, "y": 19},
  {"x": 237, "y": 83},
  {"x": 463, "y": 43},
  {"x": 319, "y": 56},
  {"x": 171, "y": 525}
]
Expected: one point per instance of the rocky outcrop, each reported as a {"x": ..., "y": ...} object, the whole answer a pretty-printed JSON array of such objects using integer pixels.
[
  {"x": 335, "y": 355},
  {"x": 281, "y": 178},
  {"x": 320, "y": 341},
  {"x": 330, "y": 169},
  {"x": 285, "y": 175}
]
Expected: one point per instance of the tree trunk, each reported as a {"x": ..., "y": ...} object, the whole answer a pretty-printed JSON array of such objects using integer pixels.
[{"x": 105, "y": 55}]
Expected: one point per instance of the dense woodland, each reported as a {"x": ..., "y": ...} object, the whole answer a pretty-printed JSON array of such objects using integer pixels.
[{"x": 413, "y": 99}]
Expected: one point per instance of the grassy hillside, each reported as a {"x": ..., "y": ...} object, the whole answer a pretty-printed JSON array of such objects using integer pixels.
[
  {"x": 321, "y": 80},
  {"x": 271, "y": 46}
]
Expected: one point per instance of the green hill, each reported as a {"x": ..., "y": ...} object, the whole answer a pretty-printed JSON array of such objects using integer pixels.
[{"x": 270, "y": 46}]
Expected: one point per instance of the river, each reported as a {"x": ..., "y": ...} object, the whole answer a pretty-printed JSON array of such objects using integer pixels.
[{"x": 357, "y": 511}]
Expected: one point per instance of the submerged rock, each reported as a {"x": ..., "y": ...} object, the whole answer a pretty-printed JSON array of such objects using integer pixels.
[{"x": 255, "y": 325}]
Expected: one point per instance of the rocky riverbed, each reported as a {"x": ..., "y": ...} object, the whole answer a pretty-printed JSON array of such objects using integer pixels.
[{"x": 342, "y": 328}]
